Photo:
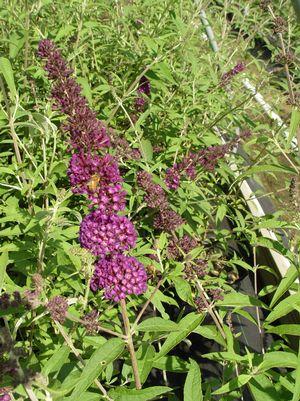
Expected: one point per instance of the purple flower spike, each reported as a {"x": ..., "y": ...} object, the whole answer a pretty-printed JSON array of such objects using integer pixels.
[
  {"x": 172, "y": 179},
  {"x": 140, "y": 103},
  {"x": 155, "y": 195},
  {"x": 85, "y": 130},
  {"x": 168, "y": 220},
  {"x": 144, "y": 86},
  {"x": 105, "y": 234},
  {"x": 58, "y": 307},
  {"x": 119, "y": 276},
  {"x": 99, "y": 178},
  {"x": 227, "y": 77}
]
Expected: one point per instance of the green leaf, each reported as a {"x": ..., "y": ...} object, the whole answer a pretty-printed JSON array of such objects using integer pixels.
[
  {"x": 285, "y": 284},
  {"x": 233, "y": 384},
  {"x": 147, "y": 394},
  {"x": 65, "y": 30},
  {"x": 6, "y": 70},
  {"x": 96, "y": 364},
  {"x": 185, "y": 326},
  {"x": 86, "y": 89},
  {"x": 3, "y": 264},
  {"x": 211, "y": 332},
  {"x": 284, "y": 307},
  {"x": 157, "y": 324},
  {"x": 221, "y": 213},
  {"x": 16, "y": 43},
  {"x": 183, "y": 289},
  {"x": 294, "y": 124},
  {"x": 164, "y": 72},
  {"x": 172, "y": 363},
  {"x": 57, "y": 360},
  {"x": 278, "y": 359},
  {"x": 275, "y": 245},
  {"x": 146, "y": 149},
  {"x": 145, "y": 356},
  {"x": 262, "y": 389},
  {"x": 296, "y": 5},
  {"x": 285, "y": 329},
  {"x": 192, "y": 388},
  {"x": 239, "y": 299},
  {"x": 296, "y": 392},
  {"x": 267, "y": 168}
]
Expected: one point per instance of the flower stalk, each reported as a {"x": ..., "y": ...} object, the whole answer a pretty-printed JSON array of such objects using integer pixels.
[{"x": 130, "y": 345}]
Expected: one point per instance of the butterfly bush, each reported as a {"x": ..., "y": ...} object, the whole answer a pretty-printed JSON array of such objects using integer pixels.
[
  {"x": 119, "y": 275},
  {"x": 103, "y": 231},
  {"x": 207, "y": 159},
  {"x": 86, "y": 131},
  {"x": 105, "y": 234},
  {"x": 99, "y": 178}
]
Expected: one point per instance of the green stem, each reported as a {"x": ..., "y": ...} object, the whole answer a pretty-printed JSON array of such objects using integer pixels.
[
  {"x": 12, "y": 128},
  {"x": 69, "y": 342},
  {"x": 146, "y": 304},
  {"x": 130, "y": 345}
]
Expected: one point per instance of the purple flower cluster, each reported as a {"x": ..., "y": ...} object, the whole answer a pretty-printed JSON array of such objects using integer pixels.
[
  {"x": 86, "y": 131},
  {"x": 105, "y": 233},
  {"x": 144, "y": 86},
  {"x": 90, "y": 322},
  {"x": 11, "y": 300},
  {"x": 177, "y": 248},
  {"x": 57, "y": 307},
  {"x": 99, "y": 178},
  {"x": 199, "y": 268},
  {"x": 173, "y": 177},
  {"x": 206, "y": 158},
  {"x": 143, "y": 89},
  {"x": 119, "y": 275},
  {"x": 227, "y": 77},
  {"x": 10, "y": 368},
  {"x": 5, "y": 397},
  {"x": 122, "y": 148},
  {"x": 155, "y": 195},
  {"x": 166, "y": 219}
]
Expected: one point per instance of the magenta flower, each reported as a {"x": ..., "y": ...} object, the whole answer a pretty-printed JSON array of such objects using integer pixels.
[
  {"x": 104, "y": 234},
  {"x": 99, "y": 178},
  {"x": 172, "y": 179},
  {"x": 227, "y": 77},
  {"x": 119, "y": 276},
  {"x": 144, "y": 86}
]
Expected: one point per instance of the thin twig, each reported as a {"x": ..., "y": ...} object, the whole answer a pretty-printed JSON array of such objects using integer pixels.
[
  {"x": 215, "y": 316},
  {"x": 147, "y": 303},
  {"x": 256, "y": 308},
  {"x": 113, "y": 333},
  {"x": 135, "y": 369},
  {"x": 12, "y": 128},
  {"x": 30, "y": 392},
  {"x": 286, "y": 67},
  {"x": 79, "y": 357}
]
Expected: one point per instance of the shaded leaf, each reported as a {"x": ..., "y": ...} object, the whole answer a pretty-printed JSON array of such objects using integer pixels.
[
  {"x": 192, "y": 388},
  {"x": 96, "y": 364}
]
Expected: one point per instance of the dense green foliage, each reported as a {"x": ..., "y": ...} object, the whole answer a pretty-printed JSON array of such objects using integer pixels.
[{"x": 111, "y": 45}]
